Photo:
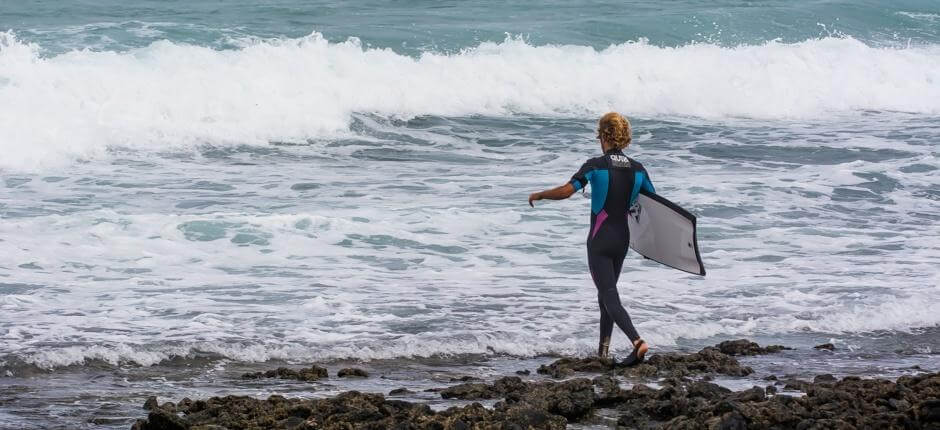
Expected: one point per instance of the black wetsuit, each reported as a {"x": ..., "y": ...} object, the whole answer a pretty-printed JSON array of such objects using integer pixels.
[{"x": 615, "y": 180}]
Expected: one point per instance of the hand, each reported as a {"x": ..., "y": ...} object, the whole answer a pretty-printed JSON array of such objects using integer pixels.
[{"x": 533, "y": 197}]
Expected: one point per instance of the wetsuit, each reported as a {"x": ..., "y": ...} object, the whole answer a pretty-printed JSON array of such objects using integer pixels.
[{"x": 616, "y": 181}]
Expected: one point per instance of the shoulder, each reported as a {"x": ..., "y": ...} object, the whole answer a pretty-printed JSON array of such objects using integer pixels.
[
  {"x": 593, "y": 164},
  {"x": 637, "y": 165},
  {"x": 596, "y": 162}
]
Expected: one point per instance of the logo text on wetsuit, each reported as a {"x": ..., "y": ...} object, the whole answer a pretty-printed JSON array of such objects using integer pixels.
[{"x": 620, "y": 160}]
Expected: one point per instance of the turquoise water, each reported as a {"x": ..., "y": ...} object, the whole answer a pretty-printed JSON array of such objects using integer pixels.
[
  {"x": 189, "y": 190},
  {"x": 417, "y": 26}
]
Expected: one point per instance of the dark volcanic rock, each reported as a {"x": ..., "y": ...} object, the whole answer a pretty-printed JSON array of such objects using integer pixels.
[
  {"x": 847, "y": 404},
  {"x": 312, "y": 374},
  {"x": 352, "y": 372},
  {"x": 465, "y": 378},
  {"x": 912, "y": 402},
  {"x": 826, "y": 346},
  {"x": 708, "y": 360},
  {"x": 477, "y": 390},
  {"x": 928, "y": 411},
  {"x": 349, "y": 410},
  {"x": 151, "y": 403},
  {"x": 524, "y": 372},
  {"x": 567, "y": 366},
  {"x": 470, "y": 391},
  {"x": 161, "y": 420},
  {"x": 572, "y": 399},
  {"x": 746, "y": 347},
  {"x": 707, "y": 390},
  {"x": 718, "y": 359},
  {"x": 795, "y": 384},
  {"x": 400, "y": 392}
]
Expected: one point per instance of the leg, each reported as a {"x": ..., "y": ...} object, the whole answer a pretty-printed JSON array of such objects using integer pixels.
[
  {"x": 605, "y": 279},
  {"x": 639, "y": 346},
  {"x": 607, "y": 329}
]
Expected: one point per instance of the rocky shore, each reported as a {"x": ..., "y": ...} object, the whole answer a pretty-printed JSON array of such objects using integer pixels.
[{"x": 668, "y": 391}]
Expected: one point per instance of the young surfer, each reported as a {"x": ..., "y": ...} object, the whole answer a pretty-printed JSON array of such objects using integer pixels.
[{"x": 615, "y": 180}]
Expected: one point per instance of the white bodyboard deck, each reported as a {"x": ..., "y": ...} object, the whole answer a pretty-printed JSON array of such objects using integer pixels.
[{"x": 662, "y": 231}]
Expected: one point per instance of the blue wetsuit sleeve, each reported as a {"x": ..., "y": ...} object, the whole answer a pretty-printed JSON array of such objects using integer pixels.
[
  {"x": 648, "y": 184},
  {"x": 580, "y": 180}
]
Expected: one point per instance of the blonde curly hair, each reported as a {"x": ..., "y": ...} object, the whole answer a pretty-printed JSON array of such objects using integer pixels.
[{"x": 615, "y": 129}]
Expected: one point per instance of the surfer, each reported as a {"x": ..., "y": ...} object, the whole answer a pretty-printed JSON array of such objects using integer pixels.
[{"x": 615, "y": 180}]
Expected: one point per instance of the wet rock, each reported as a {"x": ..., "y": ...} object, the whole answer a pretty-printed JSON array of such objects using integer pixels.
[
  {"x": 732, "y": 421},
  {"x": 572, "y": 399},
  {"x": 928, "y": 411},
  {"x": 849, "y": 403},
  {"x": 795, "y": 384},
  {"x": 643, "y": 370},
  {"x": 769, "y": 378},
  {"x": 310, "y": 374},
  {"x": 465, "y": 378},
  {"x": 567, "y": 366},
  {"x": 184, "y": 404},
  {"x": 349, "y": 410},
  {"x": 825, "y": 346},
  {"x": 533, "y": 418},
  {"x": 899, "y": 405},
  {"x": 754, "y": 394},
  {"x": 707, "y": 390},
  {"x": 470, "y": 391},
  {"x": 400, "y": 392},
  {"x": 478, "y": 391},
  {"x": 911, "y": 402},
  {"x": 708, "y": 360},
  {"x": 476, "y": 416},
  {"x": 746, "y": 347},
  {"x": 524, "y": 372},
  {"x": 608, "y": 391},
  {"x": 718, "y": 359},
  {"x": 352, "y": 372},
  {"x": 162, "y": 420},
  {"x": 151, "y": 403}
]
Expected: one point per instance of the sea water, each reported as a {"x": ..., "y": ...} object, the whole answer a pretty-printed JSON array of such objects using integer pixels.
[{"x": 192, "y": 189}]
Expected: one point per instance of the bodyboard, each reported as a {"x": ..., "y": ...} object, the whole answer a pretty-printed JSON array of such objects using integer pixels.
[{"x": 662, "y": 231}]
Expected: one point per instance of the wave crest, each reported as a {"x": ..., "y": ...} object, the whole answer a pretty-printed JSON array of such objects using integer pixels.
[{"x": 77, "y": 104}]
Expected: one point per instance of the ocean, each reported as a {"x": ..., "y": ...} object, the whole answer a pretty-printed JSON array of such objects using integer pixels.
[{"x": 190, "y": 190}]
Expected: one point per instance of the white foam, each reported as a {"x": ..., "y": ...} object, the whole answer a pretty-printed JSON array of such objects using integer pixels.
[
  {"x": 78, "y": 104},
  {"x": 920, "y": 16},
  {"x": 407, "y": 347},
  {"x": 182, "y": 308}
]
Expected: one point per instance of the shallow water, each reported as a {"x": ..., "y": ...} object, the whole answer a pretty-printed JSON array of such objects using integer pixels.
[{"x": 189, "y": 192}]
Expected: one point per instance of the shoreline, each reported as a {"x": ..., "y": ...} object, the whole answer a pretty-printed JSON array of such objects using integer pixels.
[{"x": 669, "y": 390}]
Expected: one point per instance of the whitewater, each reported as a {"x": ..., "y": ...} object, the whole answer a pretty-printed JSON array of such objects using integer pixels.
[
  {"x": 192, "y": 192},
  {"x": 76, "y": 105}
]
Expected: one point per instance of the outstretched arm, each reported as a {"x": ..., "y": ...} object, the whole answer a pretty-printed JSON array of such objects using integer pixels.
[{"x": 557, "y": 193}]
